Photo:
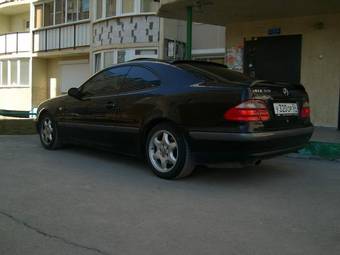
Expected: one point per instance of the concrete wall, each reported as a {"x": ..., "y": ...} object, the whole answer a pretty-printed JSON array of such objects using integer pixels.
[
  {"x": 40, "y": 91},
  {"x": 4, "y": 24},
  {"x": 54, "y": 72},
  {"x": 320, "y": 72},
  {"x": 14, "y": 23},
  {"x": 47, "y": 77},
  {"x": 17, "y": 22},
  {"x": 15, "y": 99}
]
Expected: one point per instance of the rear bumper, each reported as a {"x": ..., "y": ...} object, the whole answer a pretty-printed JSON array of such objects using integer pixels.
[
  {"x": 251, "y": 137},
  {"x": 212, "y": 147}
]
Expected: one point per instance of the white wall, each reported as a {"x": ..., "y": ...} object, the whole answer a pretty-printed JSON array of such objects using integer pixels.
[
  {"x": 18, "y": 99},
  {"x": 175, "y": 30},
  {"x": 73, "y": 74},
  {"x": 206, "y": 36}
]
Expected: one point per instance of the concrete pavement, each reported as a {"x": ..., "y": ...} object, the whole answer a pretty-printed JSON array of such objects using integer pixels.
[{"x": 81, "y": 201}]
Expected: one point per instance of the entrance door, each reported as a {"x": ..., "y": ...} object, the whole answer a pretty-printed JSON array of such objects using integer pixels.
[{"x": 276, "y": 58}]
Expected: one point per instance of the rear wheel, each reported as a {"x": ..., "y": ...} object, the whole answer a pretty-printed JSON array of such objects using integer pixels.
[
  {"x": 168, "y": 153},
  {"x": 48, "y": 132}
]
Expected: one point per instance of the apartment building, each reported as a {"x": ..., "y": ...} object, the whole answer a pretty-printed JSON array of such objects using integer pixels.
[
  {"x": 49, "y": 46},
  {"x": 282, "y": 40}
]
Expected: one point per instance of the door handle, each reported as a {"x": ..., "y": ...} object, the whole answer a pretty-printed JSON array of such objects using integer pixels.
[{"x": 110, "y": 106}]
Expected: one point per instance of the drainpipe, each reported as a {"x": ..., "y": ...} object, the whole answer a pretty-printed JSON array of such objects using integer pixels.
[{"x": 189, "y": 33}]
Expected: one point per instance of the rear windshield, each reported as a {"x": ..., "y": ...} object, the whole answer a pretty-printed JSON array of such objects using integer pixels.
[{"x": 211, "y": 72}]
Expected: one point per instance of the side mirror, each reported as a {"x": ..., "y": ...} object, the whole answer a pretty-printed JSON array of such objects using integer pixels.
[{"x": 74, "y": 92}]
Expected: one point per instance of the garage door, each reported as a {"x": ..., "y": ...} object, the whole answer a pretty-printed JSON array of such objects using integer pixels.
[{"x": 73, "y": 74}]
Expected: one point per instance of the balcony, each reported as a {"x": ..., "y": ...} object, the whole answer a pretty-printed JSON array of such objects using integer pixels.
[
  {"x": 133, "y": 29},
  {"x": 61, "y": 37},
  {"x": 15, "y": 43}
]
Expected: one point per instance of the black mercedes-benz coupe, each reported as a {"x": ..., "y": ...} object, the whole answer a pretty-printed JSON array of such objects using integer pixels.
[{"x": 179, "y": 115}]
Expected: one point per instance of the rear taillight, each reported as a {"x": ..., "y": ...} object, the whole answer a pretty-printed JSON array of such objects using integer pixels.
[
  {"x": 305, "y": 111},
  {"x": 248, "y": 111}
]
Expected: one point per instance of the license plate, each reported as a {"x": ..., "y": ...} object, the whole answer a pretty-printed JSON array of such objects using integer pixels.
[{"x": 286, "y": 109}]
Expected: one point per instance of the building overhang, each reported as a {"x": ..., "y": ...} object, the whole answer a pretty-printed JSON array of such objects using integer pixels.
[
  {"x": 223, "y": 12},
  {"x": 8, "y": 7}
]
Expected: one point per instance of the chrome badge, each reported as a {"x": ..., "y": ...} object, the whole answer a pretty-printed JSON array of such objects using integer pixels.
[{"x": 285, "y": 92}]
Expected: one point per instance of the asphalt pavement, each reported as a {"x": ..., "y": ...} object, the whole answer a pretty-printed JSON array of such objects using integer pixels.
[{"x": 83, "y": 201}]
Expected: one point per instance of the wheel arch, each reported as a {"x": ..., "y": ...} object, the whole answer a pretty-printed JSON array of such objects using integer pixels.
[
  {"x": 150, "y": 125},
  {"x": 41, "y": 113}
]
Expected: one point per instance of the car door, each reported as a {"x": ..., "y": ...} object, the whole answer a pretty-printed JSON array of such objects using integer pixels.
[
  {"x": 72, "y": 116},
  {"x": 101, "y": 114},
  {"x": 135, "y": 102},
  {"x": 92, "y": 119}
]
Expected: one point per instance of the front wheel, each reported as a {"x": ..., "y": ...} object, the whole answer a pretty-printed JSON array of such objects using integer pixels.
[
  {"x": 48, "y": 132},
  {"x": 168, "y": 153}
]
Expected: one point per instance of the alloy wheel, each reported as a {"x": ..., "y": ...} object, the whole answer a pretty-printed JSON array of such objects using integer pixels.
[
  {"x": 46, "y": 131},
  {"x": 163, "y": 151}
]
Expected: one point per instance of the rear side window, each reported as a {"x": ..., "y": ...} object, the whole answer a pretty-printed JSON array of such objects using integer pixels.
[
  {"x": 140, "y": 78},
  {"x": 107, "y": 82},
  {"x": 211, "y": 72}
]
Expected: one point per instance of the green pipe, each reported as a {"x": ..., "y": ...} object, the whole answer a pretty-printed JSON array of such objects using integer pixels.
[
  {"x": 189, "y": 33},
  {"x": 18, "y": 114}
]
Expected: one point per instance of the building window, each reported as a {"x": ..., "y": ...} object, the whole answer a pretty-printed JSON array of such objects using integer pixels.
[
  {"x": 108, "y": 58},
  {"x": 4, "y": 73},
  {"x": 97, "y": 62},
  {"x": 59, "y": 11},
  {"x": 48, "y": 14},
  {"x": 14, "y": 72},
  {"x": 72, "y": 10},
  {"x": 149, "y": 6},
  {"x": 128, "y": 6},
  {"x": 111, "y": 6},
  {"x": 84, "y": 9},
  {"x": 24, "y": 71},
  {"x": 99, "y": 9},
  {"x": 121, "y": 55},
  {"x": 38, "y": 17}
]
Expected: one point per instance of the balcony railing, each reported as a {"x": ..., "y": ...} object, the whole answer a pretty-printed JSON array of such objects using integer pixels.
[
  {"x": 62, "y": 37},
  {"x": 15, "y": 43}
]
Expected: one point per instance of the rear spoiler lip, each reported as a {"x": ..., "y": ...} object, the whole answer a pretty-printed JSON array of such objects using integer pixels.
[{"x": 254, "y": 83}]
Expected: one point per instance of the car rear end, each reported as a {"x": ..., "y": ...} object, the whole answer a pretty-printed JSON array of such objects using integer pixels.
[{"x": 268, "y": 119}]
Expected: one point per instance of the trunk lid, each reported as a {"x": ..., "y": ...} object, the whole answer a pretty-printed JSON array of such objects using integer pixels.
[{"x": 284, "y": 102}]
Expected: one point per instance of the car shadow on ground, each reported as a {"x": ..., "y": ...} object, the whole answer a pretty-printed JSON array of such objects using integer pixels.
[{"x": 268, "y": 170}]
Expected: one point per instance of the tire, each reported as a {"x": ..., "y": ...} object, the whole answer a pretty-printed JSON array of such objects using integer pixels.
[
  {"x": 48, "y": 133},
  {"x": 168, "y": 153}
]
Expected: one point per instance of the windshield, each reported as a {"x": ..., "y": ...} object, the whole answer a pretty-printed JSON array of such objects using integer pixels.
[{"x": 213, "y": 72}]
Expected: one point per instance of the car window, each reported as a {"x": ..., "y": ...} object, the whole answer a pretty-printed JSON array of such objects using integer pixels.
[
  {"x": 211, "y": 72},
  {"x": 107, "y": 82},
  {"x": 140, "y": 78}
]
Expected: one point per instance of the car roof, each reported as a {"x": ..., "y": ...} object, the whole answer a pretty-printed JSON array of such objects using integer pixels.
[
  {"x": 175, "y": 62},
  {"x": 153, "y": 61}
]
